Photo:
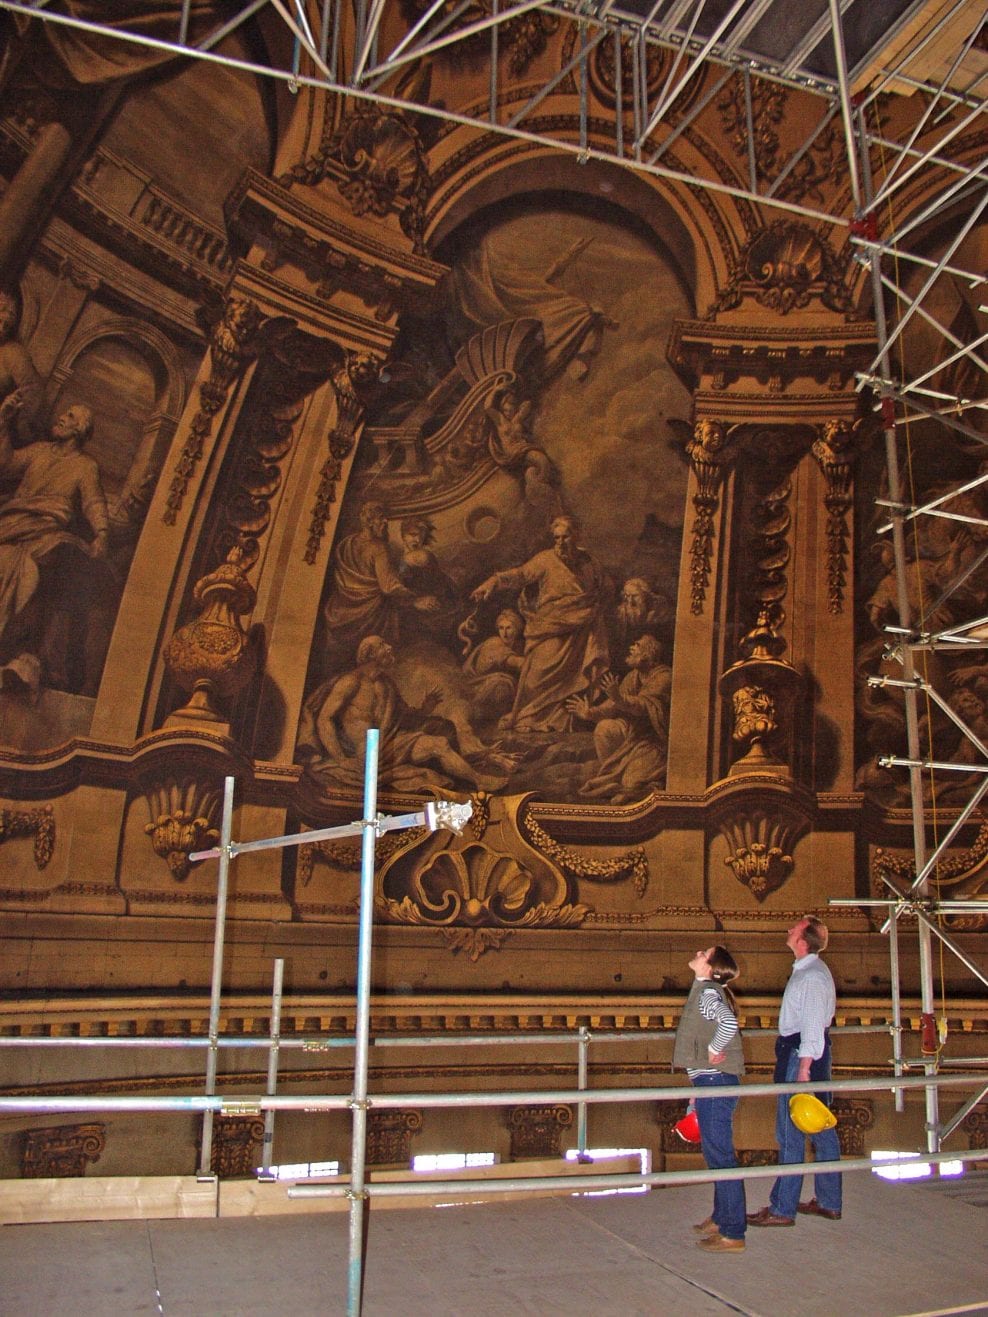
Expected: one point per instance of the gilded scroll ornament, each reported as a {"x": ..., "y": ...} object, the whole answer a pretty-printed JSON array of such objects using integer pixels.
[
  {"x": 770, "y": 552},
  {"x": 356, "y": 373},
  {"x": 709, "y": 452},
  {"x": 854, "y": 1115},
  {"x": 835, "y": 451},
  {"x": 477, "y": 891},
  {"x": 236, "y": 1146},
  {"x": 231, "y": 348},
  {"x": 536, "y": 1131},
  {"x": 212, "y": 657},
  {"x": 389, "y": 1136},
  {"x": 61, "y": 1151},
  {"x": 37, "y": 823},
  {"x": 475, "y": 888}
]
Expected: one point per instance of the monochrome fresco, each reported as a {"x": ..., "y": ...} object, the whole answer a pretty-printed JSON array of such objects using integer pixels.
[{"x": 502, "y": 592}]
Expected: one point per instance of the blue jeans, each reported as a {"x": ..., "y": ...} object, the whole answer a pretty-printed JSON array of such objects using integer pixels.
[
  {"x": 784, "y": 1198},
  {"x": 716, "y": 1117}
]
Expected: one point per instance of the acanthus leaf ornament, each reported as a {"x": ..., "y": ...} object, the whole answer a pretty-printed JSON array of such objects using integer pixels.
[
  {"x": 761, "y": 824},
  {"x": 183, "y": 819}
]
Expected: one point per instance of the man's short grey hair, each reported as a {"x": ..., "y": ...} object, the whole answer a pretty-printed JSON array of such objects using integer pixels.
[
  {"x": 637, "y": 583},
  {"x": 88, "y": 424},
  {"x": 815, "y": 934},
  {"x": 369, "y": 648},
  {"x": 649, "y": 648}
]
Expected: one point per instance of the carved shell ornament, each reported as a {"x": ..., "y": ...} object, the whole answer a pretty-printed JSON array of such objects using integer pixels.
[
  {"x": 382, "y": 159},
  {"x": 784, "y": 267},
  {"x": 476, "y": 885},
  {"x": 475, "y": 896},
  {"x": 785, "y": 263}
]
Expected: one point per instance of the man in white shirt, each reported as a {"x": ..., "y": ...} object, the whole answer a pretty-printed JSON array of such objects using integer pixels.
[{"x": 802, "y": 1054}]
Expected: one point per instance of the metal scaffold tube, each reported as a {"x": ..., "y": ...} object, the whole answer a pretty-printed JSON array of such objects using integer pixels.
[
  {"x": 216, "y": 980},
  {"x": 909, "y": 638},
  {"x": 274, "y": 1047},
  {"x": 358, "y": 1144},
  {"x": 312, "y": 1102}
]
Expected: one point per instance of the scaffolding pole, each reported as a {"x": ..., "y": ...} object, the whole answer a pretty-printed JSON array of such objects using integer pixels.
[
  {"x": 437, "y": 814},
  {"x": 358, "y": 1144},
  {"x": 909, "y": 637},
  {"x": 216, "y": 981},
  {"x": 317, "y": 34}
]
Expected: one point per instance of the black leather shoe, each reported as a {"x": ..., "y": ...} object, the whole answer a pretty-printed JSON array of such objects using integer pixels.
[{"x": 813, "y": 1208}]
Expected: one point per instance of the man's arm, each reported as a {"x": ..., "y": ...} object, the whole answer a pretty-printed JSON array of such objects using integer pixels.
[
  {"x": 16, "y": 361},
  {"x": 514, "y": 578},
  {"x": 815, "y": 1011},
  {"x": 9, "y": 410},
  {"x": 94, "y": 509}
]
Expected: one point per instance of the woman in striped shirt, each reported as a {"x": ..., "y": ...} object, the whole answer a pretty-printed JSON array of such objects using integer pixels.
[{"x": 708, "y": 1048}]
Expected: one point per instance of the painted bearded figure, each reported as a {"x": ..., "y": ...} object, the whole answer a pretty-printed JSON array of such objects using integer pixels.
[{"x": 561, "y": 597}]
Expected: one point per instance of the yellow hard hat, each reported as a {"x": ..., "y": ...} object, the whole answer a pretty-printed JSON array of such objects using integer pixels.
[{"x": 809, "y": 1114}]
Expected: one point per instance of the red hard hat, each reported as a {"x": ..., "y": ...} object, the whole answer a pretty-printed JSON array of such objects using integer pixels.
[{"x": 688, "y": 1128}]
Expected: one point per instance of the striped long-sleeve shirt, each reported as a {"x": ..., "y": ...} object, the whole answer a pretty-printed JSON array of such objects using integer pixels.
[{"x": 715, "y": 1007}]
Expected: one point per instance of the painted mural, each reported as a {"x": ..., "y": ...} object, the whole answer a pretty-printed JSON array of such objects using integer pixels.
[
  {"x": 96, "y": 360},
  {"x": 501, "y": 596}
]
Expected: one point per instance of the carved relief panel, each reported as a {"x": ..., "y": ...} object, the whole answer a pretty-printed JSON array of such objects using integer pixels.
[
  {"x": 536, "y": 1131},
  {"x": 62, "y": 1150}
]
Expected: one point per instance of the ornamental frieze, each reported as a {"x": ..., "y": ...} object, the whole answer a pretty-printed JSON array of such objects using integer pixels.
[{"x": 505, "y": 873}]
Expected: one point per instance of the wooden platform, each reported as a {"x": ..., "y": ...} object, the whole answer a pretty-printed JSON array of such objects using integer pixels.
[{"x": 900, "y": 1249}]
